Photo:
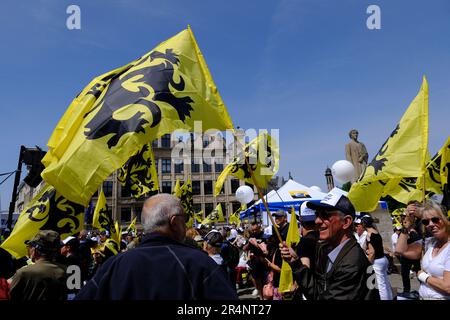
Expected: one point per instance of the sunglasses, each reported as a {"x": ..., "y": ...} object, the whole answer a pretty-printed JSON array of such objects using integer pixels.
[
  {"x": 325, "y": 215},
  {"x": 435, "y": 220}
]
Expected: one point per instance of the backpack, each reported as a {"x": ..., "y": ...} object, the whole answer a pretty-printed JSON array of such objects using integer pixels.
[{"x": 230, "y": 254}]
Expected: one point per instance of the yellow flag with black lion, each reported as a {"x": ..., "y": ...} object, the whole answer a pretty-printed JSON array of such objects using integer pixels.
[
  {"x": 120, "y": 111},
  {"x": 403, "y": 154},
  {"x": 48, "y": 210}
]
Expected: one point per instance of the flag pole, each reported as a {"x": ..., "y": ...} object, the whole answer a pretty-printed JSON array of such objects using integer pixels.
[
  {"x": 262, "y": 199},
  {"x": 423, "y": 202}
]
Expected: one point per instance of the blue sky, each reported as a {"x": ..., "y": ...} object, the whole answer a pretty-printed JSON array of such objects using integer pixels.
[{"x": 310, "y": 68}]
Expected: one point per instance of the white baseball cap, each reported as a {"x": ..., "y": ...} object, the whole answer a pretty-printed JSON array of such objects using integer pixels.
[{"x": 307, "y": 214}]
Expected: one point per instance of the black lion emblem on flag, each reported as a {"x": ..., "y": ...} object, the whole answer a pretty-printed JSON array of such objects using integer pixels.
[
  {"x": 59, "y": 214},
  {"x": 153, "y": 83}
]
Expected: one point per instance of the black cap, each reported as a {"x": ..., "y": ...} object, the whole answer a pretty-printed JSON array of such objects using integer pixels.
[
  {"x": 214, "y": 238},
  {"x": 334, "y": 201},
  {"x": 45, "y": 240}
]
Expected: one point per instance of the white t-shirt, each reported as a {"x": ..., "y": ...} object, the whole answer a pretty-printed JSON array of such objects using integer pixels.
[
  {"x": 435, "y": 266},
  {"x": 361, "y": 239},
  {"x": 394, "y": 239}
]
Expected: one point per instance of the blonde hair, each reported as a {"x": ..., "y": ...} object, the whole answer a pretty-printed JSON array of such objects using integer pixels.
[
  {"x": 191, "y": 233},
  {"x": 429, "y": 206}
]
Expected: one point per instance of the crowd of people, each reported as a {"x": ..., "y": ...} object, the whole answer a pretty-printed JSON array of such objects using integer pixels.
[{"x": 337, "y": 256}]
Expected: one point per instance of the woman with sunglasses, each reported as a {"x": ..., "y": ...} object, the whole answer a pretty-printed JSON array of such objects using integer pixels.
[{"x": 435, "y": 274}]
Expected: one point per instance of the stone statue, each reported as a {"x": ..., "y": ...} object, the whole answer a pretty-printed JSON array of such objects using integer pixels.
[{"x": 356, "y": 153}]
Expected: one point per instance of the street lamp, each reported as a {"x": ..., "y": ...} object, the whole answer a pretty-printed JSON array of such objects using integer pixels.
[{"x": 31, "y": 157}]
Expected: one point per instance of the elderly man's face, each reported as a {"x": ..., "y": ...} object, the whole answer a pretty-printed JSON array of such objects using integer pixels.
[
  {"x": 330, "y": 224},
  {"x": 354, "y": 135}
]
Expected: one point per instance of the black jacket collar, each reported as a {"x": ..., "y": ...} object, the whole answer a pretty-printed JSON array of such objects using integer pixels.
[{"x": 153, "y": 239}]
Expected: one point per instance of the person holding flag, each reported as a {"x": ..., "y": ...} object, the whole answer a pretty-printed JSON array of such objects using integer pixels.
[{"x": 342, "y": 269}]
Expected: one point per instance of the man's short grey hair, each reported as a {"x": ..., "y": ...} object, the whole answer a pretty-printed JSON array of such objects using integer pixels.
[{"x": 164, "y": 206}]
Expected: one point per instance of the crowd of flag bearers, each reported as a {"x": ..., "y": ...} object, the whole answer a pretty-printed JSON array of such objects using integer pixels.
[{"x": 110, "y": 126}]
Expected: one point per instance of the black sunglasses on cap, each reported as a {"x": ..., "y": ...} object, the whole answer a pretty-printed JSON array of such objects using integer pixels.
[{"x": 435, "y": 220}]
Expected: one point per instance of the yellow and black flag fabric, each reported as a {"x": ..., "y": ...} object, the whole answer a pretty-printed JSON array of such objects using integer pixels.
[
  {"x": 215, "y": 216},
  {"x": 102, "y": 219},
  {"x": 412, "y": 188},
  {"x": 199, "y": 217},
  {"x": 235, "y": 218},
  {"x": 445, "y": 175},
  {"x": 132, "y": 227},
  {"x": 120, "y": 111},
  {"x": 177, "y": 189},
  {"x": 403, "y": 154},
  {"x": 115, "y": 237},
  {"x": 139, "y": 175},
  {"x": 262, "y": 154},
  {"x": 187, "y": 202},
  {"x": 48, "y": 210}
]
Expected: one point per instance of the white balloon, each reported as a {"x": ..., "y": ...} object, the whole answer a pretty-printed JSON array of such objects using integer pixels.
[
  {"x": 316, "y": 188},
  {"x": 244, "y": 194},
  {"x": 343, "y": 171}
]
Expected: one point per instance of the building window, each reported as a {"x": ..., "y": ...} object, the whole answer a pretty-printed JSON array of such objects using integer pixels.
[
  {"x": 195, "y": 166},
  {"x": 125, "y": 192},
  {"x": 208, "y": 208},
  {"x": 179, "y": 167},
  {"x": 234, "y": 185},
  {"x": 165, "y": 141},
  {"x": 197, "y": 207},
  {"x": 125, "y": 214},
  {"x": 165, "y": 165},
  {"x": 107, "y": 188},
  {"x": 218, "y": 167},
  {"x": 208, "y": 185},
  {"x": 206, "y": 167},
  {"x": 155, "y": 143},
  {"x": 166, "y": 187},
  {"x": 196, "y": 188},
  {"x": 156, "y": 165}
]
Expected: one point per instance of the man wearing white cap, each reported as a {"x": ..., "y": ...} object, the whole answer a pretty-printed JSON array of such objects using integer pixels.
[
  {"x": 341, "y": 268},
  {"x": 360, "y": 234}
]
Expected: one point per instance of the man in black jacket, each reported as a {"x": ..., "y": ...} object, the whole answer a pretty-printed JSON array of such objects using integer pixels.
[
  {"x": 342, "y": 270},
  {"x": 162, "y": 267}
]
